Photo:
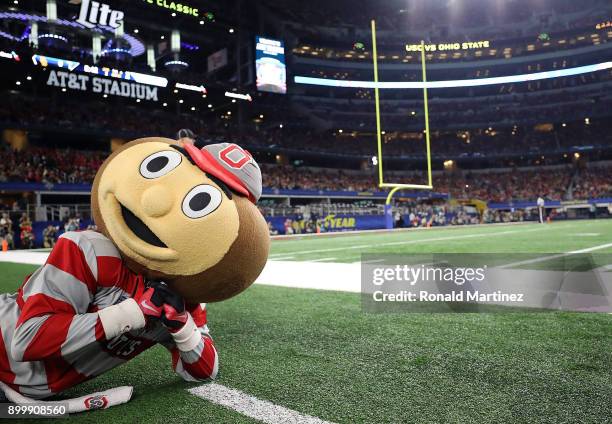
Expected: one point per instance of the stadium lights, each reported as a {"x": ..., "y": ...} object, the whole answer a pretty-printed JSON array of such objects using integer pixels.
[
  {"x": 173, "y": 15},
  {"x": 233, "y": 100},
  {"x": 105, "y": 96},
  {"x": 340, "y": 131},
  {"x": 18, "y": 83},
  {"x": 455, "y": 83},
  {"x": 165, "y": 104},
  {"x": 162, "y": 37},
  {"x": 199, "y": 88},
  {"x": 193, "y": 108},
  {"x": 53, "y": 37},
  {"x": 260, "y": 116},
  {"x": 12, "y": 55},
  {"x": 231, "y": 30},
  {"x": 281, "y": 126},
  {"x": 181, "y": 101},
  {"x": 29, "y": 78},
  {"x": 176, "y": 64},
  {"x": 238, "y": 96},
  {"x": 201, "y": 22},
  {"x": 135, "y": 30},
  {"x": 564, "y": 124},
  {"x": 577, "y": 155},
  {"x": 209, "y": 105},
  {"x": 137, "y": 100},
  {"x": 587, "y": 121}
]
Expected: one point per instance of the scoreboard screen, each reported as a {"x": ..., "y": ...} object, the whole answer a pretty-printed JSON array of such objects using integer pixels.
[{"x": 270, "y": 65}]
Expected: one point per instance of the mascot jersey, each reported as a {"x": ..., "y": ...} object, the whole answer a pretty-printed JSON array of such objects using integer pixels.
[{"x": 52, "y": 337}]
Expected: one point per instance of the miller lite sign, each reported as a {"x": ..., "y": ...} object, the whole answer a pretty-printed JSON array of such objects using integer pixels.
[{"x": 94, "y": 13}]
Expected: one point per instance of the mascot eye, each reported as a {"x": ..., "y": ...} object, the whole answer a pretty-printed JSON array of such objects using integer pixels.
[
  {"x": 201, "y": 201},
  {"x": 159, "y": 164}
]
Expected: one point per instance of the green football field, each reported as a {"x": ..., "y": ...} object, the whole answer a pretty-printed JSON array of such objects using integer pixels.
[{"x": 318, "y": 353}]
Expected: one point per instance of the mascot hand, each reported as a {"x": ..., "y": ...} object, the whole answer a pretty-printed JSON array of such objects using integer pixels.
[
  {"x": 174, "y": 319},
  {"x": 162, "y": 302},
  {"x": 174, "y": 315},
  {"x": 177, "y": 319},
  {"x": 151, "y": 302}
]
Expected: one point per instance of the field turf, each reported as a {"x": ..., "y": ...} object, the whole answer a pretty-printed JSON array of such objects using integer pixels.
[{"x": 318, "y": 353}]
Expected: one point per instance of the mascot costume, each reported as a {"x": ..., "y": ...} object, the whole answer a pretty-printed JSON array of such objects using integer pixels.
[{"x": 178, "y": 227}]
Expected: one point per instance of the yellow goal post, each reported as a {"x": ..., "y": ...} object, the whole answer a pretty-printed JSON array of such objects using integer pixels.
[{"x": 397, "y": 186}]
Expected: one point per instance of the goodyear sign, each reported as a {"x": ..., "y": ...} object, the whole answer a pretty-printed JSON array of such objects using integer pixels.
[
  {"x": 467, "y": 45},
  {"x": 332, "y": 222},
  {"x": 338, "y": 222}
]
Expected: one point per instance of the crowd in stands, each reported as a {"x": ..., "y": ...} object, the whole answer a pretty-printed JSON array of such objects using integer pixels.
[
  {"x": 291, "y": 178},
  {"x": 594, "y": 182},
  {"x": 7, "y": 231},
  {"x": 53, "y": 166},
  {"x": 510, "y": 185},
  {"x": 49, "y": 166}
]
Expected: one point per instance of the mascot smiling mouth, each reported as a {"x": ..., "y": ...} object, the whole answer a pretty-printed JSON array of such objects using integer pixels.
[
  {"x": 139, "y": 228},
  {"x": 136, "y": 236}
]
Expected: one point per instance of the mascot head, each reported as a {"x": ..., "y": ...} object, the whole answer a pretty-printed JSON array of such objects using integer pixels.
[{"x": 185, "y": 215}]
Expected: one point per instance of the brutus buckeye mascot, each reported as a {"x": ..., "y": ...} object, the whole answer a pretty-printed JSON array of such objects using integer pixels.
[{"x": 178, "y": 227}]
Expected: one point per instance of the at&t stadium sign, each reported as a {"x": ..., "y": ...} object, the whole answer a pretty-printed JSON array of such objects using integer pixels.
[
  {"x": 77, "y": 76},
  {"x": 111, "y": 87}
]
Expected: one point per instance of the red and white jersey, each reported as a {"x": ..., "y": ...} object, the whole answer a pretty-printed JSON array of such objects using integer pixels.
[{"x": 51, "y": 337}]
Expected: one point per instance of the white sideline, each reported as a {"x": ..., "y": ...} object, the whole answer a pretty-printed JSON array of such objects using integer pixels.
[
  {"x": 556, "y": 256},
  {"x": 345, "y": 277},
  {"x": 24, "y": 257},
  {"x": 251, "y": 406}
]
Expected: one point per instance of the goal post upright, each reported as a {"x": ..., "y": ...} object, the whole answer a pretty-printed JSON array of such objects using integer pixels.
[
  {"x": 377, "y": 103},
  {"x": 394, "y": 186},
  {"x": 426, "y": 107}
]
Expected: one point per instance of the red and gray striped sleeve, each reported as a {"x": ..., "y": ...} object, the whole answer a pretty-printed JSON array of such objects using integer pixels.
[
  {"x": 202, "y": 361},
  {"x": 54, "y": 301}
]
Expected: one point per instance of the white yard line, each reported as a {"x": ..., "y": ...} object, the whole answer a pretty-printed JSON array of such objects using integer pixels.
[
  {"x": 321, "y": 260},
  {"x": 413, "y": 241},
  {"x": 559, "y": 255},
  {"x": 280, "y": 258},
  {"x": 252, "y": 407}
]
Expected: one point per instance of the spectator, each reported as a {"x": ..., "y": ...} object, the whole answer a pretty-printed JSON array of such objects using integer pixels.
[{"x": 50, "y": 236}]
